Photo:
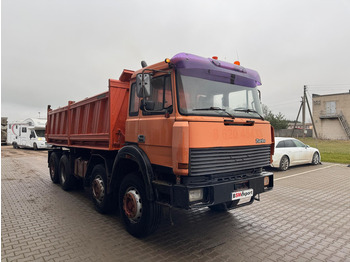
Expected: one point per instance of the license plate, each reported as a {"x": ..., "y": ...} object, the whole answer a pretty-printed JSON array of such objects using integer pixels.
[{"x": 242, "y": 194}]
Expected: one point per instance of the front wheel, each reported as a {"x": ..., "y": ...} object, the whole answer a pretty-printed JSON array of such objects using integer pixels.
[
  {"x": 315, "y": 159},
  {"x": 141, "y": 216},
  {"x": 35, "y": 146},
  {"x": 284, "y": 164}
]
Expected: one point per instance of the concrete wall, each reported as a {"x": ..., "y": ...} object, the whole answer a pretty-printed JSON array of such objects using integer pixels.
[
  {"x": 297, "y": 133},
  {"x": 325, "y": 118}
]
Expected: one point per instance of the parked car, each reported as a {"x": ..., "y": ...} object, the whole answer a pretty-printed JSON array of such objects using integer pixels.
[{"x": 291, "y": 152}]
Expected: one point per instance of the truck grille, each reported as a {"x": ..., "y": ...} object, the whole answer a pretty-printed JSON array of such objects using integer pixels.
[{"x": 208, "y": 161}]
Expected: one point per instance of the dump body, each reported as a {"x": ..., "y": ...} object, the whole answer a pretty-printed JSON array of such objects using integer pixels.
[{"x": 97, "y": 122}]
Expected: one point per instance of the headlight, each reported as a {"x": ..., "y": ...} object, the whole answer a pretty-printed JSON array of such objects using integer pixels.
[
  {"x": 195, "y": 194},
  {"x": 40, "y": 138}
]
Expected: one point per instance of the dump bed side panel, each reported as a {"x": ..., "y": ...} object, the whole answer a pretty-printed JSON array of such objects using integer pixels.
[
  {"x": 97, "y": 122},
  {"x": 119, "y": 99}
]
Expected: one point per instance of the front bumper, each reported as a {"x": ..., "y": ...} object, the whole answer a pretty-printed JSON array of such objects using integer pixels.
[{"x": 215, "y": 191}]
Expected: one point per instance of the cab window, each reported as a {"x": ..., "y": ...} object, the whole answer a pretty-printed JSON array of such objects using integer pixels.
[
  {"x": 134, "y": 101},
  {"x": 161, "y": 95}
]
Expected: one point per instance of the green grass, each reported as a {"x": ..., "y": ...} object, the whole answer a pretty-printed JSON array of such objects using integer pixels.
[{"x": 335, "y": 151}]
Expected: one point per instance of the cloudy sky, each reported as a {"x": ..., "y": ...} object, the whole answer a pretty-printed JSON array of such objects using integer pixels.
[{"x": 53, "y": 51}]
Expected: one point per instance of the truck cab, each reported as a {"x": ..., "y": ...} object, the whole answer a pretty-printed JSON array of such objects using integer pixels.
[{"x": 199, "y": 120}]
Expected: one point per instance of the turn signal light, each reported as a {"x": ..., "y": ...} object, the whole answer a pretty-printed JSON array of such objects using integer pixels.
[
  {"x": 266, "y": 181},
  {"x": 182, "y": 166},
  {"x": 167, "y": 60}
]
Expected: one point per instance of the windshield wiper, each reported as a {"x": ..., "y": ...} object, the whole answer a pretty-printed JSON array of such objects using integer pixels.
[
  {"x": 247, "y": 110},
  {"x": 215, "y": 109}
]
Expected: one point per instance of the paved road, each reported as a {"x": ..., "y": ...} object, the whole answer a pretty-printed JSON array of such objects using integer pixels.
[{"x": 305, "y": 218}]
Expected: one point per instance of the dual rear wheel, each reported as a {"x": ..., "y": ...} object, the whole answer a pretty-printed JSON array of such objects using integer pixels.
[
  {"x": 141, "y": 216},
  {"x": 60, "y": 171}
]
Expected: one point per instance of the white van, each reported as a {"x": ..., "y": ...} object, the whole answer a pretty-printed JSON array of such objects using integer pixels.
[{"x": 29, "y": 133}]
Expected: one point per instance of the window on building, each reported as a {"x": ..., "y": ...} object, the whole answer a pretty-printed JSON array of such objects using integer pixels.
[{"x": 331, "y": 108}]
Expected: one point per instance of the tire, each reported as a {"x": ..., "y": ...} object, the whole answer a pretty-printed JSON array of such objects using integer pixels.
[
  {"x": 284, "y": 163},
  {"x": 35, "y": 146},
  {"x": 15, "y": 146},
  {"x": 101, "y": 200},
  {"x": 315, "y": 159},
  {"x": 67, "y": 179},
  {"x": 141, "y": 217},
  {"x": 223, "y": 207},
  {"x": 54, "y": 168}
]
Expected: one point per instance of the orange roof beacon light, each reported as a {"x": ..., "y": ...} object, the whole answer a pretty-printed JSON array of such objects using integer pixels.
[
  {"x": 167, "y": 60},
  {"x": 237, "y": 63},
  {"x": 215, "y": 58}
]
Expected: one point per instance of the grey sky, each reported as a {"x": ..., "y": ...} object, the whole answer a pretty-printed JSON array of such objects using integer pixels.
[{"x": 59, "y": 50}]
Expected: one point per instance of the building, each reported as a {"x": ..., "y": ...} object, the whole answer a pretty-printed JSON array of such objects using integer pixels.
[{"x": 331, "y": 115}]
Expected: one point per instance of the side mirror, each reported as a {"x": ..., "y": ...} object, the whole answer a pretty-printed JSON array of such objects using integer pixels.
[
  {"x": 143, "y": 85},
  {"x": 147, "y": 105}
]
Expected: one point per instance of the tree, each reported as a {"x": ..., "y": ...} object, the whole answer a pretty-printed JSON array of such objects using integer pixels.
[{"x": 277, "y": 121}]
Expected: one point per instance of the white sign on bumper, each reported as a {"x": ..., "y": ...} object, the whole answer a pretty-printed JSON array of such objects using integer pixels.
[{"x": 242, "y": 194}]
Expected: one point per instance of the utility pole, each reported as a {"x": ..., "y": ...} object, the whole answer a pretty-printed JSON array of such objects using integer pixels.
[
  {"x": 304, "y": 98},
  {"x": 304, "y": 102}
]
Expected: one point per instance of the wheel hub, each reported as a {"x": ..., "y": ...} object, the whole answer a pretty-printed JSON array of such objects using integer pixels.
[
  {"x": 132, "y": 205},
  {"x": 98, "y": 189}
]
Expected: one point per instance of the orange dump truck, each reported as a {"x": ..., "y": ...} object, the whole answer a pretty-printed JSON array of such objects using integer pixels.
[{"x": 183, "y": 133}]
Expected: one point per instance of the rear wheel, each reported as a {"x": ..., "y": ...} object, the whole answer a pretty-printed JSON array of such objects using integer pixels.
[
  {"x": 284, "y": 163},
  {"x": 315, "y": 159},
  {"x": 67, "y": 179},
  {"x": 140, "y": 216},
  {"x": 54, "y": 168},
  {"x": 101, "y": 200}
]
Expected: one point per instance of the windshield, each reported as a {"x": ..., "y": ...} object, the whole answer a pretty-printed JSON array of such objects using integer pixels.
[
  {"x": 40, "y": 133},
  {"x": 206, "y": 97}
]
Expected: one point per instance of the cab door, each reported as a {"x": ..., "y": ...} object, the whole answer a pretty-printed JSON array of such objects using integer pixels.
[{"x": 156, "y": 122}]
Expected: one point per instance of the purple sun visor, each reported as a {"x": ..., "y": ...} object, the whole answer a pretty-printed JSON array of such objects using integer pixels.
[{"x": 215, "y": 70}]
